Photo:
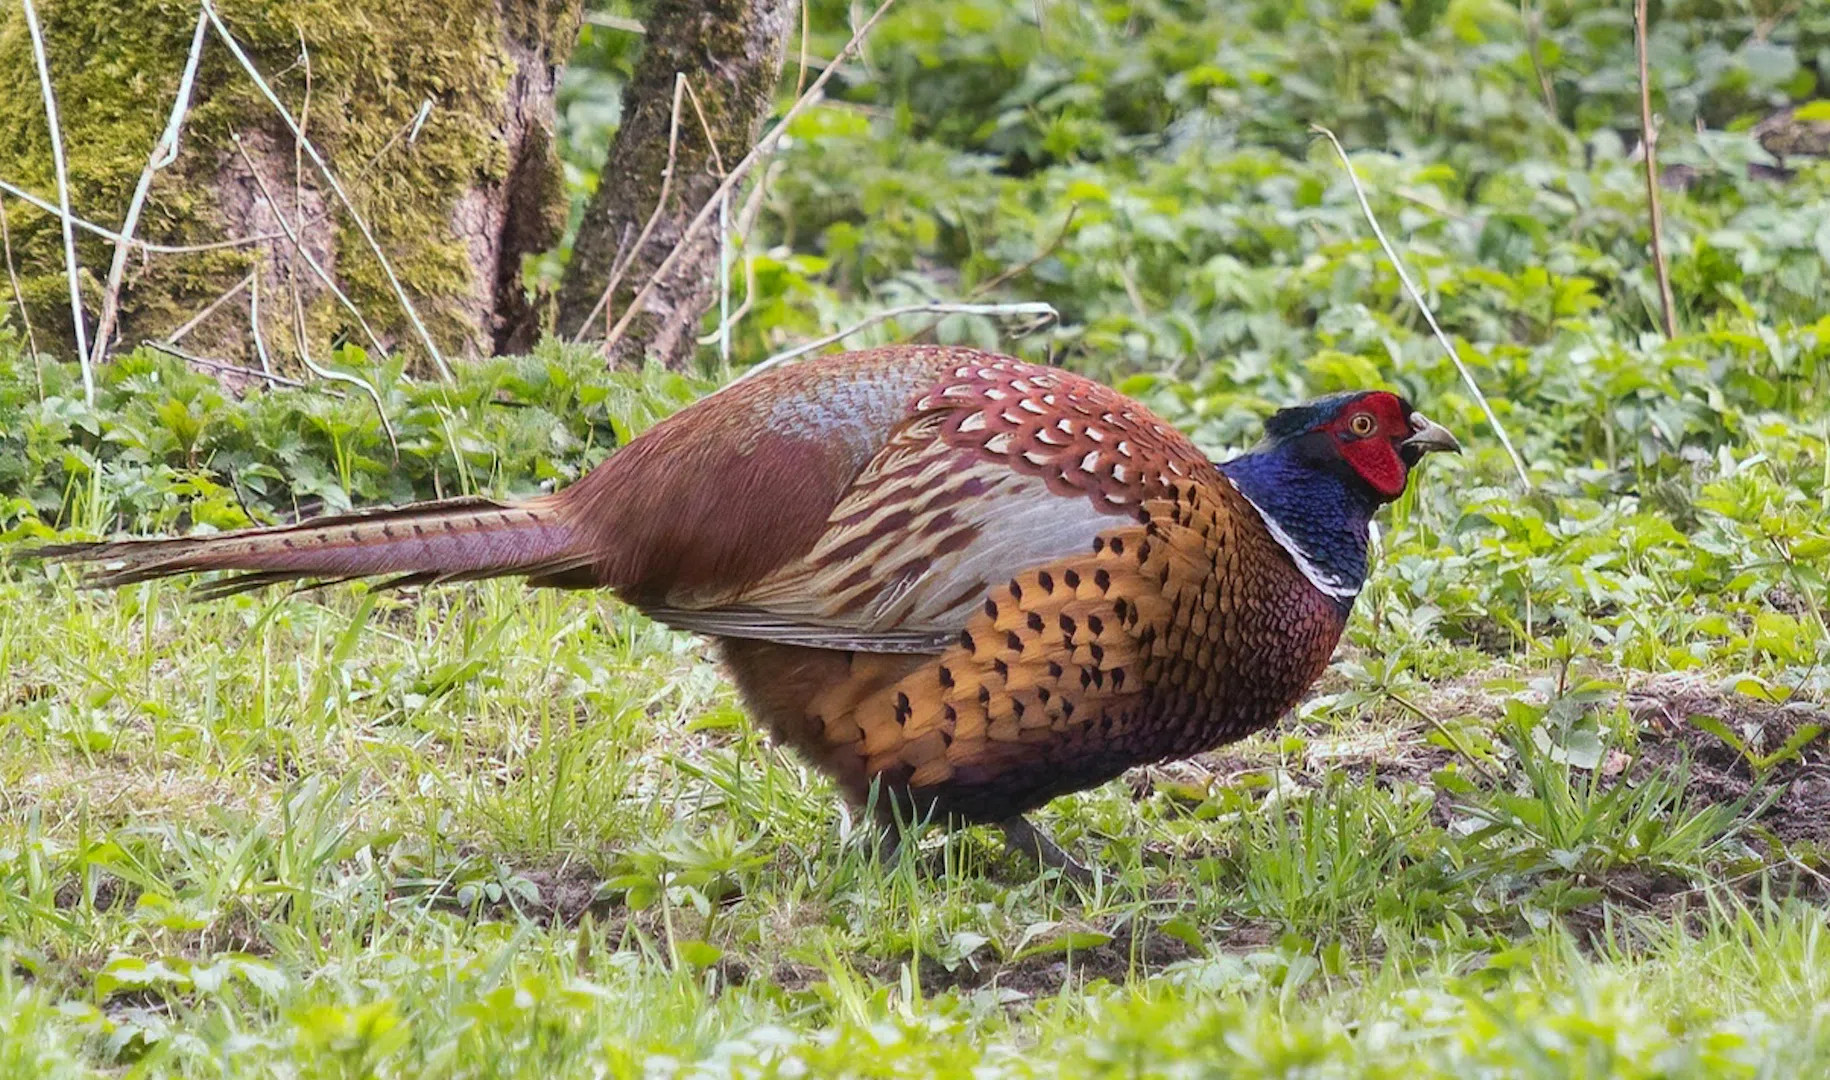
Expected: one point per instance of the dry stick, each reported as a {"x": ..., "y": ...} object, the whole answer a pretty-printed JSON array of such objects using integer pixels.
[
  {"x": 147, "y": 247},
  {"x": 1453, "y": 741},
  {"x": 618, "y": 268},
  {"x": 1410, "y": 287},
  {"x": 728, "y": 319},
  {"x": 724, "y": 235},
  {"x": 298, "y": 243},
  {"x": 1765, "y": 27},
  {"x": 210, "y": 309},
  {"x": 618, "y": 265},
  {"x": 317, "y": 159},
  {"x": 615, "y": 22},
  {"x": 219, "y": 365},
  {"x": 1011, "y": 272},
  {"x": 705, "y": 127},
  {"x": 254, "y": 324},
  {"x": 63, "y": 199},
  {"x": 1534, "y": 20},
  {"x": 12, "y": 273},
  {"x": 298, "y": 312},
  {"x": 724, "y": 285},
  {"x": 406, "y": 130},
  {"x": 800, "y": 75},
  {"x": 1648, "y": 141},
  {"x": 164, "y": 152},
  {"x": 737, "y": 173},
  {"x": 298, "y": 144},
  {"x": 746, "y": 220},
  {"x": 1029, "y": 264},
  {"x": 1036, "y": 307}
]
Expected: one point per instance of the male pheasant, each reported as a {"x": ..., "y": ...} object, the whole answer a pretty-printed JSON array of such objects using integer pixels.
[{"x": 974, "y": 582}]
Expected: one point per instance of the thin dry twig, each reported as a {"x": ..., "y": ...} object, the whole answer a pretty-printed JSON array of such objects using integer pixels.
[
  {"x": 1030, "y": 263},
  {"x": 724, "y": 284},
  {"x": 209, "y": 309},
  {"x": 746, "y": 220},
  {"x": 615, "y": 22},
  {"x": 1765, "y": 27},
  {"x": 298, "y": 144},
  {"x": 136, "y": 244},
  {"x": 705, "y": 126},
  {"x": 1011, "y": 272},
  {"x": 1534, "y": 25},
  {"x": 12, "y": 274},
  {"x": 63, "y": 200},
  {"x": 408, "y": 131},
  {"x": 728, "y": 318},
  {"x": 660, "y": 204},
  {"x": 254, "y": 324},
  {"x": 617, "y": 265},
  {"x": 1648, "y": 141},
  {"x": 724, "y": 231},
  {"x": 164, "y": 152},
  {"x": 800, "y": 74},
  {"x": 235, "y": 369},
  {"x": 1039, "y": 308},
  {"x": 279, "y": 215},
  {"x": 298, "y": 244},
  {"x": 1453, "y": 740},
  {"x": 763, "y": 148},
  {"x": 299, "y": 336},
  {"x": 336, "y": 187},
  {"x": 1416, "y": 296},
  {"x": 381, "y": 412}
]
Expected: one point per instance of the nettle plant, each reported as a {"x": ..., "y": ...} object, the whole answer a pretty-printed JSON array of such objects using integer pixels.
[{"x": 165, "y": 445}]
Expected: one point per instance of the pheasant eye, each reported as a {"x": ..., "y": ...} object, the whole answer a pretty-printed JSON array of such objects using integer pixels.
[{"x": 1362, "y": 424}]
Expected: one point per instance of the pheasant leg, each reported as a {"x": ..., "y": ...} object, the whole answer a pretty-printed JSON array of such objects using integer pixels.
[{"x": 1024, "y": 839}]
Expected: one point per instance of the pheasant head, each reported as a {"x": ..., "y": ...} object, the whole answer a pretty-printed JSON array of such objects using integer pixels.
[{"x": 1322, "y": 471}]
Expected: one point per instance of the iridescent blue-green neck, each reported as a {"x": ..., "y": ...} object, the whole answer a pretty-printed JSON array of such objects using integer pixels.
[{"x": 1316, "y": 513}]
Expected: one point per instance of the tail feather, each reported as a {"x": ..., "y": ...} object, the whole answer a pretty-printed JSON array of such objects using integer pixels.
[{"x": 446, "y": 540}]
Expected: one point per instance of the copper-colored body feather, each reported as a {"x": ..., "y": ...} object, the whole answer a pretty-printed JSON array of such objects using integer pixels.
[{"x": 979, "y": 582}]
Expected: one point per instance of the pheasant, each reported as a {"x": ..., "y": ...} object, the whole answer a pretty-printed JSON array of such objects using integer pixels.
[{"x": 970, "y": 583}]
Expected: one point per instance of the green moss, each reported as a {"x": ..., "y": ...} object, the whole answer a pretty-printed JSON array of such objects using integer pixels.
[{"x": 116, "y": 65}]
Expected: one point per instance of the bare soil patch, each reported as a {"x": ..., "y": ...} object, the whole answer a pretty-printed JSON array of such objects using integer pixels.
[
  {"x": 1663, "y": 709},
  {"x": 1666, "y": 737},
  {"x": 1131, "y": 951}
]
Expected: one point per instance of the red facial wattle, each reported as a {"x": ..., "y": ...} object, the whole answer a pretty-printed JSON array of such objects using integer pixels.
[
  {"x": 1372, "y": 450},
  {"x": 1377, "y": 462}
]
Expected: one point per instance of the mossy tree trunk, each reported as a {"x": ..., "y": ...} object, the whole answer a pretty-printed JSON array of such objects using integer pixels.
[
  {"x": 730, "y": 52},
  {"x": 455, "y": 200}
]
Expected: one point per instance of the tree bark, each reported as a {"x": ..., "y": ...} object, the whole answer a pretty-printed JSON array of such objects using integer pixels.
[
  {"x": 730, "y": 52},
  {"x": 454, "y": 200}
]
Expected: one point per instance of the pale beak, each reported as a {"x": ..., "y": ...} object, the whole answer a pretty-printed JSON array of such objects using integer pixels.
[{"x": 1428, "y": 436}]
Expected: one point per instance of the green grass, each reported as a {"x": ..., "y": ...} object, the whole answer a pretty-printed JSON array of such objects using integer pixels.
[
  {"x": 481, "y": 832},
  {"x": 1560, "y": 808}
]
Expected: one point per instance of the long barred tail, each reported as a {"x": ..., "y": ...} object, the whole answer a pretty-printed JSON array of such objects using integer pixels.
[{"x": 446, "y": 540}]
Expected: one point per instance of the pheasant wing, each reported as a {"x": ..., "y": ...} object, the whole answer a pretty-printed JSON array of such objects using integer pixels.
[{"x": 1001, "y": 467}]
